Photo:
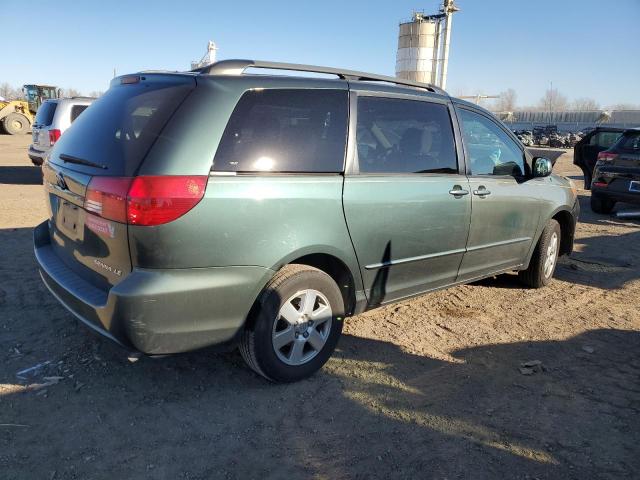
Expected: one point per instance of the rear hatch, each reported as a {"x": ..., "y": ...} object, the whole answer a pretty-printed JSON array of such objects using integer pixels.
[
  {"x": 41, "y": 124},
  {"x": 94, "y": 163}
]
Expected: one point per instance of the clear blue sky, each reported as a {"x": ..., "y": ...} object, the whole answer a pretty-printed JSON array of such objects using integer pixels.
[{"x": 588, "y": 48}]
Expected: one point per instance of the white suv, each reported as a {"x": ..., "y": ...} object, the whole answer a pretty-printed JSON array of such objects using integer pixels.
[{"x": 52, "y": 119}]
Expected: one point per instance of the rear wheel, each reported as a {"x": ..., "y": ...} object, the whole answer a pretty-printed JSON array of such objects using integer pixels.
[
  {"x": 545, "y": 257},
  {"x": 600, "y": 204},
  {"x": 16, "y": 124},
  {"x": 295, "y": 325}
]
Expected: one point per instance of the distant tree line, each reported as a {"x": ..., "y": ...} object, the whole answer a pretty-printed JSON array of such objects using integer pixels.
[
  {"x": 10, "y": 92},
  {"x": 551, "y": 101}
]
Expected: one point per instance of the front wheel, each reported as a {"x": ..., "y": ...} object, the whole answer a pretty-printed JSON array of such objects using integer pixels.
[
  {"x": 545, "y": 257},
  {"x": 16, "y": 124},
  {"x": 295, "y": 325}
]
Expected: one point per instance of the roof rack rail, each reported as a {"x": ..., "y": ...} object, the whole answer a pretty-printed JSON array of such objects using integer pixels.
[{"x": 237, "y": 67}]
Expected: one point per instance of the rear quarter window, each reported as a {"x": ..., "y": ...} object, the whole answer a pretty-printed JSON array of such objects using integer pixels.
[
  {"x": 76, "y": 110},
  {"x": 285, "y": 130},
  {"x": 630, "y": 142}
]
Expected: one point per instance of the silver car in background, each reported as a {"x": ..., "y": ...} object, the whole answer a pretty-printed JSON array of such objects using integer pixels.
[{"x": 52, "y": 119}]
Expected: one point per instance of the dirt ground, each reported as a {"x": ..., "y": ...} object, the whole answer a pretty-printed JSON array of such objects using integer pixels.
[{"x": 427, "y": 388}]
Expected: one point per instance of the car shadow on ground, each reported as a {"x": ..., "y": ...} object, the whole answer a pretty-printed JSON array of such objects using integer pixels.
[
  {"x": 604, "y": 261},
  {"x": 21, "y": 175},
  {"x": 374, "y": 411}
]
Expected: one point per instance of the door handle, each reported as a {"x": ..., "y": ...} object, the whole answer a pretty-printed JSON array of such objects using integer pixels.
[
  {"x": 458, "y": 192},
  {"x": 482, "y": 192}
]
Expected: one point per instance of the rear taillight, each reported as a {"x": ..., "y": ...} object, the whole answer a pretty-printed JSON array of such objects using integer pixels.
[
  {"x": 606, "y": 156},
  {"x": 600, "y": 184},
  {"x": 107, "y": 197},
  {"x": 54, "y": 135},
  {"x": 150, "y": 200}
]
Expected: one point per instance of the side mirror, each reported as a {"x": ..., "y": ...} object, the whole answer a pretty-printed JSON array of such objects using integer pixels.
[{"x": 542, "y": 167}]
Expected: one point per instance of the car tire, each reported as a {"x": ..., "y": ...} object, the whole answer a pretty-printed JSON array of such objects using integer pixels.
[
  {"x": 600, "y": 204},
  {"x": 16, "y": 124},
  {"x": 294, "y": 326},
  {"x": 545, "y": 257}
]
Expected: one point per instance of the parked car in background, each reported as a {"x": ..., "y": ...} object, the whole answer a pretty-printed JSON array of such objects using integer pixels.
[
  {"x": 616, "y": 177},
  {"x": 196, "y": 208},
  {"x": 52, "y": 119},
  {"x": 585, "y": 151}
]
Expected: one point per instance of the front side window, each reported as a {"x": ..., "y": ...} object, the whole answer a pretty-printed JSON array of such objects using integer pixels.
[
  {"x": 404, "y": 136},
  {"x": 284, "y": 130},
  {"x": 491, "y": 151}
]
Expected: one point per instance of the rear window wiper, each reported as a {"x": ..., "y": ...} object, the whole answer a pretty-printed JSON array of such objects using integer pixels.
[{"x": 81, "y": 161}]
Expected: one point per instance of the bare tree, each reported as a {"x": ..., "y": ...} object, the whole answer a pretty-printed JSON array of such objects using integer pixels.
[
  {"x": 10, "y": 93},
  {"x": 96, "y": 93},
  {"x": 584, "y": 104},
  {"x": 71, "y": 92},
  {"x": 553, "y": 101},
  {"x": 623, "y": 106},
  {"x": 507, "y": 101}
]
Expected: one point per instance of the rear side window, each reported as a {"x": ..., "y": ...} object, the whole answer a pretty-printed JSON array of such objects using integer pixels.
[
  {"x": 77, "y": 110},
  {"x": 630, "y": 142},
  {"x": 44, "y": 115},
  {"x": 285, "y": 131},
  {"x": 120, "y": 127},
  {"x": 404, "y": 136}
]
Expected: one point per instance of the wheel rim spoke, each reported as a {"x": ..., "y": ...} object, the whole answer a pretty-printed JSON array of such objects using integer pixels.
[
  {"x": 295, "y": 356},
  {"x": 284, "y": 337},
  {"x": 289, "y": 313},
  {"x": 308, "y": 302},
  {"x": 316, "y": 340}
]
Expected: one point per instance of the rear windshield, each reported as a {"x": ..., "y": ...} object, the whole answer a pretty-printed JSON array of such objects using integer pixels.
[
  {"x": 44, "y": 116},
  {"x": 118, "y": 130},
  {"x": 630, "y": 142},
  {"x": 285, "y": 130}
]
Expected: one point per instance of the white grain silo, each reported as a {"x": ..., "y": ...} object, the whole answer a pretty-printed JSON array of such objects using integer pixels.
[{"x": 423, "y": 46}]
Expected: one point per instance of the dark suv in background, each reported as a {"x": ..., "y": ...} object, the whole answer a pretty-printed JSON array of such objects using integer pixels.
[
  {"x": 616, "y": 177},
  {"x": 196, "y": 208},
  {"x": 585, "y": 152}
]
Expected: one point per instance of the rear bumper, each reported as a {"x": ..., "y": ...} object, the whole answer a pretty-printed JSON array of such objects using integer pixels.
[
  {"x": 156, "y": 311},
  {"x": 617, "y": 196},
  {"x": 36, "y": 156}
]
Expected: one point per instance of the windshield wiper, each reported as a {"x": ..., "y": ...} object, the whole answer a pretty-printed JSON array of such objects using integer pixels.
[{"x": 80, "y": 161}]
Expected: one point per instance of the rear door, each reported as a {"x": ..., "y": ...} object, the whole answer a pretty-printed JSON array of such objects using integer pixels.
[
  {"x": 406, "y": 203},
  {"x": 105, "y": 146},
  {"x": 505, "y": 204}
]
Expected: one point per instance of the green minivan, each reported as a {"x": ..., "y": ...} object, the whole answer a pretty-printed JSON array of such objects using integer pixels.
[{"x": 188, "y": 209}]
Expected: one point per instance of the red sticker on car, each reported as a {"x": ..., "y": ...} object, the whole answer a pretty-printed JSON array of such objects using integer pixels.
[{"x": 100, "y": 226}]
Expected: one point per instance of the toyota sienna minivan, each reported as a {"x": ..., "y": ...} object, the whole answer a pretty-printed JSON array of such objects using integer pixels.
[{"x": 220, "y": 206}]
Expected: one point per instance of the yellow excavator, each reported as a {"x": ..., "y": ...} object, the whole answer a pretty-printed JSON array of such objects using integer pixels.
[{"x": 16, "y": 116}]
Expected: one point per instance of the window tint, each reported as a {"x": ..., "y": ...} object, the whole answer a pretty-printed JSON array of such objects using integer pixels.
[
  {"x": 285, "y": 131},
  {"x": 491, "y": 151},
  {"x": 605, "y": 139},
  {"x": 44, "y": 115},
  {"x": 77, "y": 110},
  {"x": 404, "y": 136}
]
